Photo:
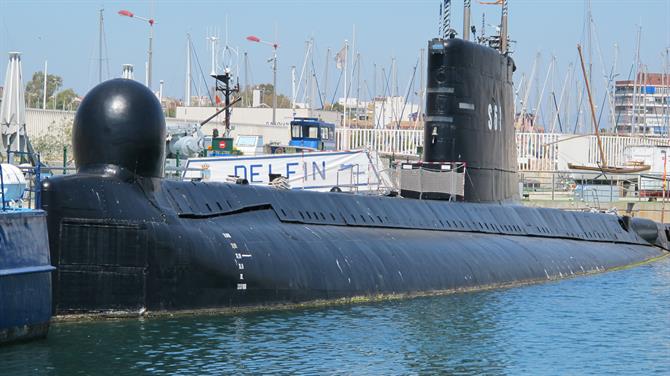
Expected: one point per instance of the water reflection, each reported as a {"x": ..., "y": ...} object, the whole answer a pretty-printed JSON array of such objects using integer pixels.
[{"x": 611, "y": 323}]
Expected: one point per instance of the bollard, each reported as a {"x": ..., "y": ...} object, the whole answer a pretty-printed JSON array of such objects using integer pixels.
[{"x": 64, "y": 160}]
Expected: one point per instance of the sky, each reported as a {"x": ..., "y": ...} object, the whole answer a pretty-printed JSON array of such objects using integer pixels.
[{"x": 66, "y": 34}]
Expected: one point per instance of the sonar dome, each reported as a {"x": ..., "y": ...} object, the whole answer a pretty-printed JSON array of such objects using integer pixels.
[{"x": 120, "y": 122}]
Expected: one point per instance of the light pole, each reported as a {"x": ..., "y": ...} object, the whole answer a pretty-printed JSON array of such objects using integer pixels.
[
  {"x": 151, "y": 22},
  {"x": 274, "y": 45}
]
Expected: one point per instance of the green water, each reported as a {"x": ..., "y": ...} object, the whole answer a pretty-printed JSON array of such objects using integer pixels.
[{"x": 614, "y": 323}]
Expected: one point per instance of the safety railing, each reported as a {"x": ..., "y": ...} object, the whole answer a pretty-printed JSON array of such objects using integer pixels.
[
  {"x": 591, "y": 188},
  {"x": 33, "y": 176}
]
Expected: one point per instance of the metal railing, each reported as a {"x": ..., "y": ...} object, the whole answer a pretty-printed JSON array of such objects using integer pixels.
[
  {"x": 590, "y": 187},
  {"x": 33, "y": 175}
]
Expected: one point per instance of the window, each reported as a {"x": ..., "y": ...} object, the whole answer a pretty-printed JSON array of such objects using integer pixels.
[
  {"x": 296, "y": 131},
  {"x": 247, "y": 141},
  {"x": 325, "y": 133},
  {"x": 313, "y": 132}
]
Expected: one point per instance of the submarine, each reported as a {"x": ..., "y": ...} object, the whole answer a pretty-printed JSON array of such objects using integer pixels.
[{"x": 123, "y": 238}]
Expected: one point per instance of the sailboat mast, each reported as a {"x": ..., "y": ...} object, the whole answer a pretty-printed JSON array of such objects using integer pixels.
[
  {"x": 633, "y": 124},
  {"x": 358, "y": 82},
  {"x": 293, "y": 94},
  {"x": 612, "y": 86},
  {"x": 187, "y": 85},
  {"x": 100, "y": 47},
  {"x": 593, "y": 111},
  {"x": 374, "y": 96},
  {"x": 246, "y": 79},
  {"x": 325, "y": 78},
  {"x": 346, "y": 63}
]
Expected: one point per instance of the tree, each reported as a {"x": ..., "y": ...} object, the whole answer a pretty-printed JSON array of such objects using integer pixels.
[
  {"x": 66, "y": 100},
  {"x": 35, "y": 88},
  {"x": 336, "y": 107}
]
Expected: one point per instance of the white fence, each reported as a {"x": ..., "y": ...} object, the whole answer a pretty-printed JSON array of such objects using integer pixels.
[
  {"x": 614, "y": 147},
  {"x": 535, "y": 151},
  {"x": 384, "y": 141},
  {"x": 39, "y": 121}
]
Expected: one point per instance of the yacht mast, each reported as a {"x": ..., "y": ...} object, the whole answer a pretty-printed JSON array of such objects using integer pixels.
[{"x": 187, "y": 85}]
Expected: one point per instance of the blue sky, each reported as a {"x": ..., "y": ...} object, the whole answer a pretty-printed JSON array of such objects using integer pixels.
[{"x": 66, "y": 33}]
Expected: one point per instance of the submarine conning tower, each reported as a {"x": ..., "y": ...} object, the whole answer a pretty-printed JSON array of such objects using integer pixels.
[
  {"x": 120, "y": 122},
  {"x": 469, "y": 116}
]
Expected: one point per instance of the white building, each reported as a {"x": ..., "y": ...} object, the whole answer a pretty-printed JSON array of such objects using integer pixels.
[
  {"x": 389, "y": 111},
  {"x": 643, "y": 106},
  {"x": 254, "y": 121}
]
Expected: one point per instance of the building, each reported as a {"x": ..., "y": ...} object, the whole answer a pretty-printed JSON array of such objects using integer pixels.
[
  {"x": 253, "y": 121},
  {"x": 642, "y": 106},
  {"x": 391, "y": 112}
]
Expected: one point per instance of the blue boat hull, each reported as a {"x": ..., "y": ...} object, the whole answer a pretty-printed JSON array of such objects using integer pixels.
[{"x": 25, "y": 276}]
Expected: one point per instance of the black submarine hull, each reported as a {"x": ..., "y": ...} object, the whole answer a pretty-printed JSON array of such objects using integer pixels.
[
  {"x": 163, "y": 245},
  {"x": 123, "y": 238}
]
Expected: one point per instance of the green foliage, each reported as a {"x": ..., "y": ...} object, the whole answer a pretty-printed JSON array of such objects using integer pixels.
[
  {"x": 66, "y": 100},
  {"x": 50, "y": 144},
  {"x": 35, "y": 88},
  {"x": 336, "y": 107}
]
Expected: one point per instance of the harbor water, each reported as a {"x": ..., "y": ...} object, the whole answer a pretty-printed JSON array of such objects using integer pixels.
[{"x": 611, "y": 323}]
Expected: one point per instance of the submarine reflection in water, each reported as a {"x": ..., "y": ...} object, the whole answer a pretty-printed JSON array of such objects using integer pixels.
[{"x": 123, "y": 238}]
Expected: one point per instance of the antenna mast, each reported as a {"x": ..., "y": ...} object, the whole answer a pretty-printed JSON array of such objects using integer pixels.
[
  {"x": 446, "y": 19},
  {"x": 503, "y": 29}
]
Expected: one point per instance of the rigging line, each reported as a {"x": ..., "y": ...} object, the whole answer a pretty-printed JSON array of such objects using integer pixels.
[
  {"x": 606, "y": 78},
  {"x": 579, "y": 107},
  {"x": 352, "y": 74},
  {"x": 409, "y": 88},
  {"x": 386, "y": 89},
  {"x": 302, "y": 73},
  {"x": 337, "y": 86},
  {"x": 316, "y": 81},
  {"x": 104, "y": 40},
  {"x": 602, "y": 107},
  {"x": 558, "y": 114},
  {"x": 250, "y": 79},
  {"x": 195, "y": 87},
  {"x": 197, "y": 61},
  {"x": 367, "y": 89},
  {"x": 194, "y": 84}
]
